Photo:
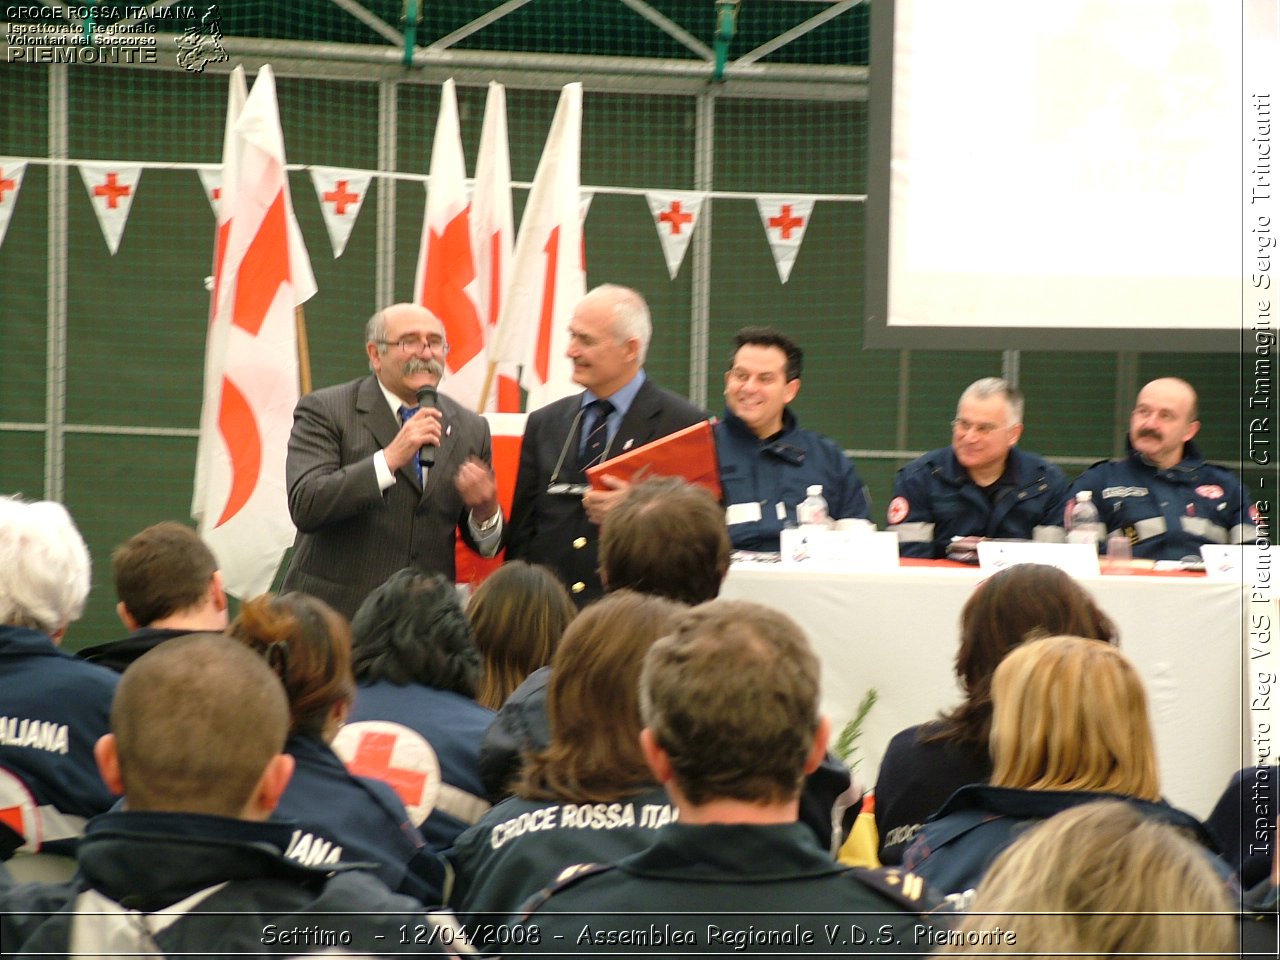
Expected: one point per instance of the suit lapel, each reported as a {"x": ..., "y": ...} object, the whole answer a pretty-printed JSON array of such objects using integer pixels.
[
  {"x": 636, "y": 428},
  {"x": 378, "y": 419}
]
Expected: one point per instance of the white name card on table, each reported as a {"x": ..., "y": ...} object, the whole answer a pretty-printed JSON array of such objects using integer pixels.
[
  {"x": 1236, "y": 562},
  {"x": 1076, "y": 559},
  {"x": 847, "y": 550}
]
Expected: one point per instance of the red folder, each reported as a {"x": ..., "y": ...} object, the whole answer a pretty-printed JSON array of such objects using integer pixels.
[{"x": 689, "y": 453}]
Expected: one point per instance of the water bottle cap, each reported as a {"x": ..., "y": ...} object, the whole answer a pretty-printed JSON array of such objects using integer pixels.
[
  {"x": 1084, "y": 495},
  {"x": 815, "y": 490}
]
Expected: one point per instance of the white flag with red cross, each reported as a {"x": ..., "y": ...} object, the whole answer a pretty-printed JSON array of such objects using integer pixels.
[
  {"x": 785, "y": 219},
  {"x": 549, "y": 273},
  {"x": 11, "y": 172},
  {"x": 492, "y": 238},
  {"x": 263, "y": 275},
  {"x": 211, "y": 177},
  {"x": 341, "y": 194},
  {"x": 675, "y": 214},
  {"x": 111, "y": 189},
  {"x": 445, "y": 282}
]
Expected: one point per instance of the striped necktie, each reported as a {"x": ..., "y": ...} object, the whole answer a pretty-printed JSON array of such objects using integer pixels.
[{"x": 593, "y": 449}]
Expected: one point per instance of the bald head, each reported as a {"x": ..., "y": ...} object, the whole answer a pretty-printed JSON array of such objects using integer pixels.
[
  {"x": 196, "y": 721},
  {"x": 1165, "y": 418}
]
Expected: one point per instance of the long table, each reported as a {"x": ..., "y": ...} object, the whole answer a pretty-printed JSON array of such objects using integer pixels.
[{"x": 898, "y": 632}]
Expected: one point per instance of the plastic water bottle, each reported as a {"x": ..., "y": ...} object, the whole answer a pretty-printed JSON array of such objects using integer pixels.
[
  {"x": 812, "y": 511},
  {"x": 1083, "y": 522}
]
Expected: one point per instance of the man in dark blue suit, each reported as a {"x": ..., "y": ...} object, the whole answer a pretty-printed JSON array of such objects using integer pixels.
[{"x": 555, "y": 516}]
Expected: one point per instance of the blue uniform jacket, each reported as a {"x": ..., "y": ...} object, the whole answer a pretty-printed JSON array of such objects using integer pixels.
[
  {"x": 246, "y": 897},
  {"x": 1170, "y": 514},
  {"x": 347, "y": 819},
  {"x": 454, "y": 726},
  {"x": 773, "y": 474},
  {"x": 934, "y": 500},
  {"x": 53, "y": 709},
  {"x": 961, "y": 840}
]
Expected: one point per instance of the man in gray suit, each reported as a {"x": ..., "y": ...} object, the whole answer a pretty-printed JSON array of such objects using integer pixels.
[{"x": 363, "y": 503}]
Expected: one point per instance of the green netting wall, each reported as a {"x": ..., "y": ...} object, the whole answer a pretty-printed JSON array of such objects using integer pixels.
[{"x": 101, "y": 361}]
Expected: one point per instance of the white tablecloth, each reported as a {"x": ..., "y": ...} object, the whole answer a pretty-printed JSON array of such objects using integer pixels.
[{"x": 899, "y": 633}]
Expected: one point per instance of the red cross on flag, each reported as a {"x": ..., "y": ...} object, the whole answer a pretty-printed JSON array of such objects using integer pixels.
[
  {"x": 262, "y": 274},
  {"x": 111, "y": 189},
  {"x": 211, "y": 181},
  {"x": 445, "y": 282},
  {"x": 492, "y": 237},
  {"x": 548, "y": 276},
  {"x": 11, "y": 172},
  {"x": 341, "y": 194},
  {"x": 785, "y": 221},
  {"x": 675, "y": 214}
]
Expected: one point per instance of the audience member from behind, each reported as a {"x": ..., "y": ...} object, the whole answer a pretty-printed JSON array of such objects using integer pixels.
[
  {"x": 198, "y": 725},
  {"x": 518, "y": 614},
  {"x": 731, "y": 727},
  {"x": 925, "y": 764},
  {"x": 592, "y": 774},
  {"x": 168, "y": 585},
  {"x": 53, "y": 707},
  {"x": 1069, "y": 726},
  {"x": 1099, "y": 880},
  {"x": 340, "y": 817},
  {"x": 417, "y": 665}
]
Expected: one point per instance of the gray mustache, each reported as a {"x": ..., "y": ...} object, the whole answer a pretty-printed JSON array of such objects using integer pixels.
[{"x": 418, "y": 365}]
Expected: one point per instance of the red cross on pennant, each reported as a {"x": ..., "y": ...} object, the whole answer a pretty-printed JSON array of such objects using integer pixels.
[
  {"x": 339, "y": 197},
  {"x": 786, "y": 222},
  {"x": 675, "y": 216},
  {"x": 373, "y": 759},
  {"x": 217, "y": 193},
  {"x": 6, "y": 185},
  {"x": 112, "y": 190}
]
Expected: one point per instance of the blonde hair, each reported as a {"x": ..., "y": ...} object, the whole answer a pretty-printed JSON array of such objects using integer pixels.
[
  {"x": 1071, "y": 714},
  {"x": 1099, "y": 880}
]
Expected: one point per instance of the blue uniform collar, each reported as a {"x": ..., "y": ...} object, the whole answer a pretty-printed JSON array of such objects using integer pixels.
[
  {"x": 1014, "y": 468},
  {"x": 735, "y": 425},
  {"x": 1192, "y": 458}
]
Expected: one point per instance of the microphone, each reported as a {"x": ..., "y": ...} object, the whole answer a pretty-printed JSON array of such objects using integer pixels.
[{"x": 427, "y": 398}]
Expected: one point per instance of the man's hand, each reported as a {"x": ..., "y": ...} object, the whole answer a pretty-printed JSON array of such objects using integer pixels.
[
  {"x": 598, "y": 503},
  {"x": 421, "y": 429},
  {"x": 478, "y": 488}
]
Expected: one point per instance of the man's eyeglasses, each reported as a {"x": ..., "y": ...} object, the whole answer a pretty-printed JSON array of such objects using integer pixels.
[
  {"x": 410, "y": 345},
  {"x": 960, "y": 425}
]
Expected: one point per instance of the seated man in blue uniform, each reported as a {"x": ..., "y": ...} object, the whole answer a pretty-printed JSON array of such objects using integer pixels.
[
  {"x": 196, "y": 746},
  {"x": 983, "y": 485},
  {"x": 731, "y": 725},
  {"x": 766, "y": 460},
  {"x": 1163, "y": 495}
]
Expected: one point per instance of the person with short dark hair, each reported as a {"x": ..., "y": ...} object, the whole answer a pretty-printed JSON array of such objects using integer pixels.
[
  {"x": 192, "y": 863},
  {"x": 1163, "y": 495},
  {"x": 983, "y": 485},
  {"x": 518, "y": 614},
  {"x": 730, "y": 704},
  {"x": 341, "y": 818},
  {"x": 168, "y": 585},
  {"x": 923, "y": 765},
  {"x": 666, "y": 538},
  {"x": 592, "y": 774},
  {"x": 767, "y": 461},
  {"x": 53, "y": 706},
  {"x": 416, "y": 664}
]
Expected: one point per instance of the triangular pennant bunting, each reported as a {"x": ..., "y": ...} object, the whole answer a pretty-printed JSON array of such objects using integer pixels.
[
  {"x": 785, "y": 219},
  {"x": 675, "y": 214},
  {"x": 11, "y": 172},
  {"x": 211, "y": 180},
  {"x": 341, "y": 194},
  {"x": 111, "y": 189}
]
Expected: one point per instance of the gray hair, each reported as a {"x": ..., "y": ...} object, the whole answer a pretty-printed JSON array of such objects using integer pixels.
[
  {"x": 995, "y": 387},
  {"x": 630, "y": 313},
  {"x": 44, "y": 566},
  {"x": 375, "y": 332}
]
